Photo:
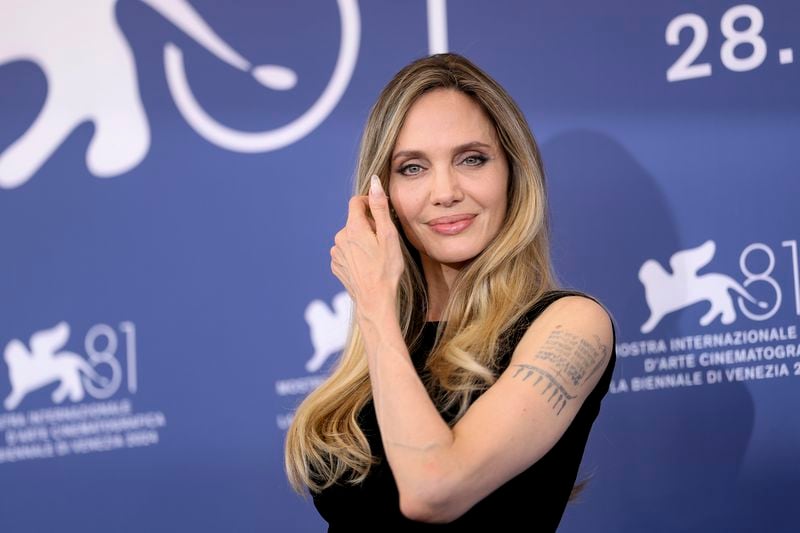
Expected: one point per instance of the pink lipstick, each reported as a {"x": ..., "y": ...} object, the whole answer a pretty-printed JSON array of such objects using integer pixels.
[{"x": 451, "y": 225}]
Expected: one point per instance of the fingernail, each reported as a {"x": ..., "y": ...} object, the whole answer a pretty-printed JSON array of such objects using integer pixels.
[{"x": 375, "y": 188}]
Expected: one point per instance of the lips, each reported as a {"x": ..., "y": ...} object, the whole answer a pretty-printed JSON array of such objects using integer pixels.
[
  {"x": 449, "y": 219},
  {"x": 451, "y": 225}
]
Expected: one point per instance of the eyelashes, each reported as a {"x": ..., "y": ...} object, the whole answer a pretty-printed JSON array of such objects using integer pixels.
[
  {"x": 412, "y": 169},
  {"x": 404, "y": 170},
  {"x": 481, "y": 159}
]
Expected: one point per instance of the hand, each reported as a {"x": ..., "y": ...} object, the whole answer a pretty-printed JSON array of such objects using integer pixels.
[{"x": 367, "y": 257}]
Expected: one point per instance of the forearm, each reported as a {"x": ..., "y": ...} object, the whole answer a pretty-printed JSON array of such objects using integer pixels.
[{"x": 415, "y": 436}]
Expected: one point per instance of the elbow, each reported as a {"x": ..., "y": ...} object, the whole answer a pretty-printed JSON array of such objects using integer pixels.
[
  {"x": 431, "y": 504},
  {"x": 417, "y": 509}
]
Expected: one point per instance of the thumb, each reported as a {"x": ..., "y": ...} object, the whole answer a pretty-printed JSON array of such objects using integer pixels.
[{"x": 379, "y": 206}]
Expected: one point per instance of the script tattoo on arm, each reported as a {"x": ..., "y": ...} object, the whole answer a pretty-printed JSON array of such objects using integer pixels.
[{"x": 564, "y": 362}]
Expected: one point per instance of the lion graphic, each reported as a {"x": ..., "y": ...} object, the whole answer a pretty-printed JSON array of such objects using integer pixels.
[
  {"x": 665, "y": 292},
  {"x": 328, "y": 329},
  {"x": 29, "y": 370},
  {"x": 91, "y": 77}
]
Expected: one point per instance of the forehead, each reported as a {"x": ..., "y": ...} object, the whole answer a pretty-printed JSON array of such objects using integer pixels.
[{"x": 444, "y": 118}]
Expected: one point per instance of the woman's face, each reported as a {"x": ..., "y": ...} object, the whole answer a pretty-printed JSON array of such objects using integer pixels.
[{"x": 449, "y": 178}]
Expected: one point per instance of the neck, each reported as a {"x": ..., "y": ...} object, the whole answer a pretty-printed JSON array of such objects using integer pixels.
[{"x": 439, "y": 278}]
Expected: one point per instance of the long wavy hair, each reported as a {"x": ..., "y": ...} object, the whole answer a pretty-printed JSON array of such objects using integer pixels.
[{"x": 324, "y": 444}]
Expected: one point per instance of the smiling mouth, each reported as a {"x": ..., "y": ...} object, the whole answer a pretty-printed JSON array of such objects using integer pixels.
[
  {"x": 451, "y": 225},
  {"x": 450, "y": 219}
]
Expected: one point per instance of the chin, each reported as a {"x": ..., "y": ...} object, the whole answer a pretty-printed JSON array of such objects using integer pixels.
[{"x": 453, "y": 257}]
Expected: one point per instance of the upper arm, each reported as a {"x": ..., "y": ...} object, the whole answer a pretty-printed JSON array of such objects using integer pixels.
[{"x": 555, "y": 366}]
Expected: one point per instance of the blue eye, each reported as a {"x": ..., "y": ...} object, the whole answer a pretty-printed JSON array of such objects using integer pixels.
[
  {"x": 410, "y": 170},
  {"x": 474, "y": 160}
]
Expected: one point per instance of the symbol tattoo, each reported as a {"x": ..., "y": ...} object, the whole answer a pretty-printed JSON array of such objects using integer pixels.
[{"x": 567, "y": 361}]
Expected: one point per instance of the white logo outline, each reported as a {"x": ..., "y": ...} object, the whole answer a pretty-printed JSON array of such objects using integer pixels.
[
  {"x": 265, "y": 141},
  {"x": 328, "y": 328},
  {"x": 666, "y": 293},
  {"x": 103, "y": 88},
  {"x": 44, "y": 363}
]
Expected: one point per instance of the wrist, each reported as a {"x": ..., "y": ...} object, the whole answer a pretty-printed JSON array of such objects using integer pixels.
[
  {"x": 376, "y": 320},
  {"x": 376, "y": 316},
  {"x": 377, "y": 306},
  {"x": 381, "y": 337}
]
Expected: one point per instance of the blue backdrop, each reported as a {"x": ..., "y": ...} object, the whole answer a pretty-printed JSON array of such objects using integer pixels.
[{"x": 172, "y": 175}]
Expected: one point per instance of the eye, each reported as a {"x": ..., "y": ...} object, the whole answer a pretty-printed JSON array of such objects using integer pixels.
[
  {"x": 411, "y": 169},
  {"x": 474, "y": 160}
]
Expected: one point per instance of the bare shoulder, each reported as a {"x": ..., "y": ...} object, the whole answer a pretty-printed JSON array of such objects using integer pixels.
[{"x": 581, "y": 312}]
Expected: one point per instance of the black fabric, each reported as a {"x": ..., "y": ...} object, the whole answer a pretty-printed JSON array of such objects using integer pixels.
[{"x": 532, "y": 501}]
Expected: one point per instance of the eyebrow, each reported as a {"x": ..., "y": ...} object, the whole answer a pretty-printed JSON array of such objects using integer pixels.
[{"x": 460, "y": 148}]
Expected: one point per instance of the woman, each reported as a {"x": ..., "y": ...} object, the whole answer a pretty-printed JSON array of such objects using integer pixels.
[{"x": 469, "y": 384}]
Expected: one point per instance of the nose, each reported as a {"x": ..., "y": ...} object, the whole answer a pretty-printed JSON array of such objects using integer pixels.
[{"x": 445, "y": 188}]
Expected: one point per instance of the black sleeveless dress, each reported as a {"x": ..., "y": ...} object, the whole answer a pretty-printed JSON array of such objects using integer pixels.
[{"x": 532, "y": 501}]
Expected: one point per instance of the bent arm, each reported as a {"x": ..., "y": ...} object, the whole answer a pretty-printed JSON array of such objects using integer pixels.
[
  {"x": 413, "y": 432},
  {"x": 441, "y": 472}
]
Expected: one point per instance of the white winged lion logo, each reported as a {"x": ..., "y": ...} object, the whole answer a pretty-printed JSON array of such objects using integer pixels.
[
  {"x": 665, "y": 292},
  {"x": 91, "y": 77},
  {"x": 43, "y": 364}
]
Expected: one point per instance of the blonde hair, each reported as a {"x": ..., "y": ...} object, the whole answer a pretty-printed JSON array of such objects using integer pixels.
[{"x": 324, "y": 443}]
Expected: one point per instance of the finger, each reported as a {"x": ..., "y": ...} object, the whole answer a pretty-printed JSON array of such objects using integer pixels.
[
  {"x": 339, "y": 239},
  {"x": 336, "y": 263},
  {"x": 336, "y": 256},
  {"x": 363, "y": 207},
  {"x": 379, "y": 206},
  {"x": 341, "y": 275},
  {"x": 357, "y": 214}
]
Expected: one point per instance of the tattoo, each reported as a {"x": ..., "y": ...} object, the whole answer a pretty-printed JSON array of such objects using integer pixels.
[
  {"x": 571, "y": 361},
  {"x": 552, "y": 382}
]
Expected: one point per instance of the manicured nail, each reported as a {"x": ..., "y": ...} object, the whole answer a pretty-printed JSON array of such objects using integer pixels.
[{"x": 375, "y": 188}]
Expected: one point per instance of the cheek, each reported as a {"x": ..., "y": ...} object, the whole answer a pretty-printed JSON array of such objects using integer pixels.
[
  {"x": 404, "y": 225},
  {"x": 501, "y": 192},
  {"x": 401, "y": 209},
  {"x": 404, "y": 203},
  {"x": 492, "y": 196},
  {"x": 497, "y": 198},
  {"x": 503, "y": 203}
]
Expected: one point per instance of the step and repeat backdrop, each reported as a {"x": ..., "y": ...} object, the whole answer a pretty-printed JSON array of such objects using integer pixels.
[{"x": 172, "y": 174}]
